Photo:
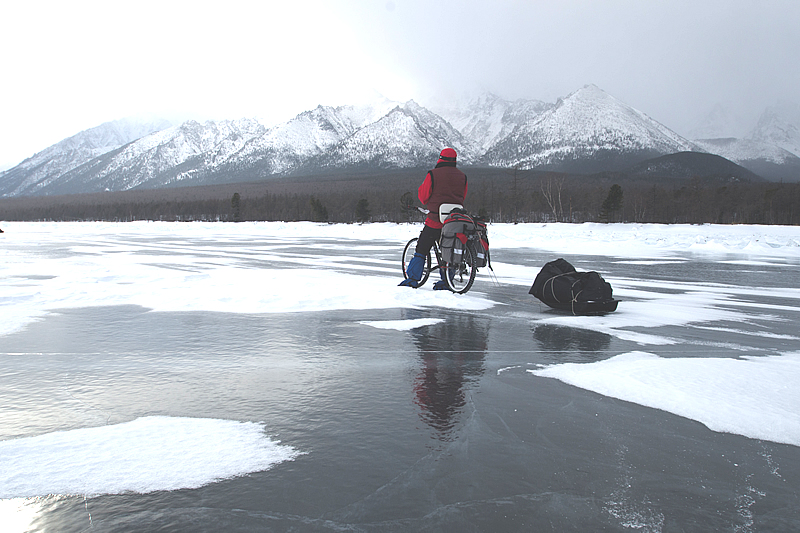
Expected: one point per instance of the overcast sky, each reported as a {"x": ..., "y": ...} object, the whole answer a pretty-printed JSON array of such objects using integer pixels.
[{"x": 72, "y": 65}]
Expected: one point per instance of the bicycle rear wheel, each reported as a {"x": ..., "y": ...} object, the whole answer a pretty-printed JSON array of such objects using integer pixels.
[
  {"x": 461, "y": 276},
  {"x": 408, "y": 254}
]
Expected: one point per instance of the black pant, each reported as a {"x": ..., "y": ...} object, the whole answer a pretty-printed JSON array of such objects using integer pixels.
[{"x": 427, "y": 237}]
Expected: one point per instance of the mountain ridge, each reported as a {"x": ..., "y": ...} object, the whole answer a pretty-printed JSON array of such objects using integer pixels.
[
  {"x": 587, "y": 131},
  {"x": 587, "y": 124}
]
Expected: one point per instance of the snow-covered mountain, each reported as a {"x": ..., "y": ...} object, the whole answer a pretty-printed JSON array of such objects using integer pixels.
[
  {"x": 719, "y": 123},
  {"x": 780, "y": 126},
  {"x": 772, "y": 147},
  {"x": 489, "y": 119},
  {"x": 45, "y": 167},
  {"x": 587, "y": 131},
  {"x": 212, "y": 152},
  {"x": 738, "y": 150},
  {"x": 765, "y": 159},
  {"x": 407, "y": 136},
  {"x": 587, "y": 127},
  {"x": 286, "y": 147},
  {"x": 160, "y": 158}
]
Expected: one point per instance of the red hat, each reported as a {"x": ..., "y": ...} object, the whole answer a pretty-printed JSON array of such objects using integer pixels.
[{"x": 448, "y": 155}]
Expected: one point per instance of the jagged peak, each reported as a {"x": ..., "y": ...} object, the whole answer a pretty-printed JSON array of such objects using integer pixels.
[
  {"x": 591, "y": 95},
  {"x": 413, "y": 107},
  {"x": 410, "y": 108}
]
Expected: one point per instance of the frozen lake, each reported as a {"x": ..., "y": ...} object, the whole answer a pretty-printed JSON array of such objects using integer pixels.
[{"x": 270, "y": 376}]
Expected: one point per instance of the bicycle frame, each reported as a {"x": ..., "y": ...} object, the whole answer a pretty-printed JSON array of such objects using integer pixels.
[{"x": 458, "y": 276}]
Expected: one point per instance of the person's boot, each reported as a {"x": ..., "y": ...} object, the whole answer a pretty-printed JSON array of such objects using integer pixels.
[
  {"x": 441, "y": 285},
  {"x": 414, "y": 271}
]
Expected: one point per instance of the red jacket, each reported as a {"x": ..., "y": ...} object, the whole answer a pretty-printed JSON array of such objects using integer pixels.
[{"x": 445, "y": 184}]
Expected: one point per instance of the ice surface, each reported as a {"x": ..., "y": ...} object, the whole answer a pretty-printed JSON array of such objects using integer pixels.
[
  {"x": 248, "y": 272},
  {"x": 752, "y": 396},
  {"x": 145, "y": 455},
  {"x": 245, "y": 268},
  {"x": 107, "y": 265},
  {"x": 651, "y": 241},
  {"x": 104, "y": 268}
]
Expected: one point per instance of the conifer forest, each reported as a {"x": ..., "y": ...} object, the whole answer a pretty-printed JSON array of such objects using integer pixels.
[{"x": 498, "y": 195}]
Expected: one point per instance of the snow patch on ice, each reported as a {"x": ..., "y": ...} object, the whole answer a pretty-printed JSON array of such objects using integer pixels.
[
  {"x": 148, "y": 454},
  {"x": 653, "y": 304},
  {"x": 402, "y": 325},
  {"x": 752, "y": 396},
  {"x": 649, "y": 263},
  {"x": 652, "y": 310}
]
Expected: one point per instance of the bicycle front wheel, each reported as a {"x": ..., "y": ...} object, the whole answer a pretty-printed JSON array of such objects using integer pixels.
[
  {"x": 461, "y": 276},
  {"x": 408, "y": 255}
]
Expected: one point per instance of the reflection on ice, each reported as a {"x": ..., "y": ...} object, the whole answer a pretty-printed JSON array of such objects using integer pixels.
[
  {"x": 753, "y": 396},
  {"x": 554, "y": 338},
  {"x": 145, "y": 455},
  {"x": 452, "y": 354}
]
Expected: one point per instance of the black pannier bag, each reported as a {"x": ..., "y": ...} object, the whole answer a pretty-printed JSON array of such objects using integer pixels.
[
  {"x": 560, "y": 286},
  {"x": 481, "y": 244},
  {"x": 457, "y": 229}
]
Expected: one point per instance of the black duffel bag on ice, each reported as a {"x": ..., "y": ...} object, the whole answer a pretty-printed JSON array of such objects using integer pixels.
[{"x": 560, "y": 286}]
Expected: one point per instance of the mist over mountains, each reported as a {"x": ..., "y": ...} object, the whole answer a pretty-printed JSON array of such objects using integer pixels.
[{"x": 588, "y": 131}]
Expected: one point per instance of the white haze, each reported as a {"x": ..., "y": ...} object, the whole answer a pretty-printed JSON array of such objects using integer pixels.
[{"x": 76, "y": 65}]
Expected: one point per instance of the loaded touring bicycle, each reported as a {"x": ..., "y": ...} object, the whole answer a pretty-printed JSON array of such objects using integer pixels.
[{"x": 461, "y": 250}]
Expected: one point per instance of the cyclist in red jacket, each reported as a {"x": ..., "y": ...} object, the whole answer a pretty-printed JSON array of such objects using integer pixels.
[{"x": 445, "y": 184}]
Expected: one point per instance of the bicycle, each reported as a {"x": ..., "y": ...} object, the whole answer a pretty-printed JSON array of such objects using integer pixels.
[{"x": 460, "y": 275}]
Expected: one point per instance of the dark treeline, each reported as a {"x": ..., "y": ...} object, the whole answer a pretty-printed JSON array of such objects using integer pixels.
[{"x": 499, "y": 195}]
